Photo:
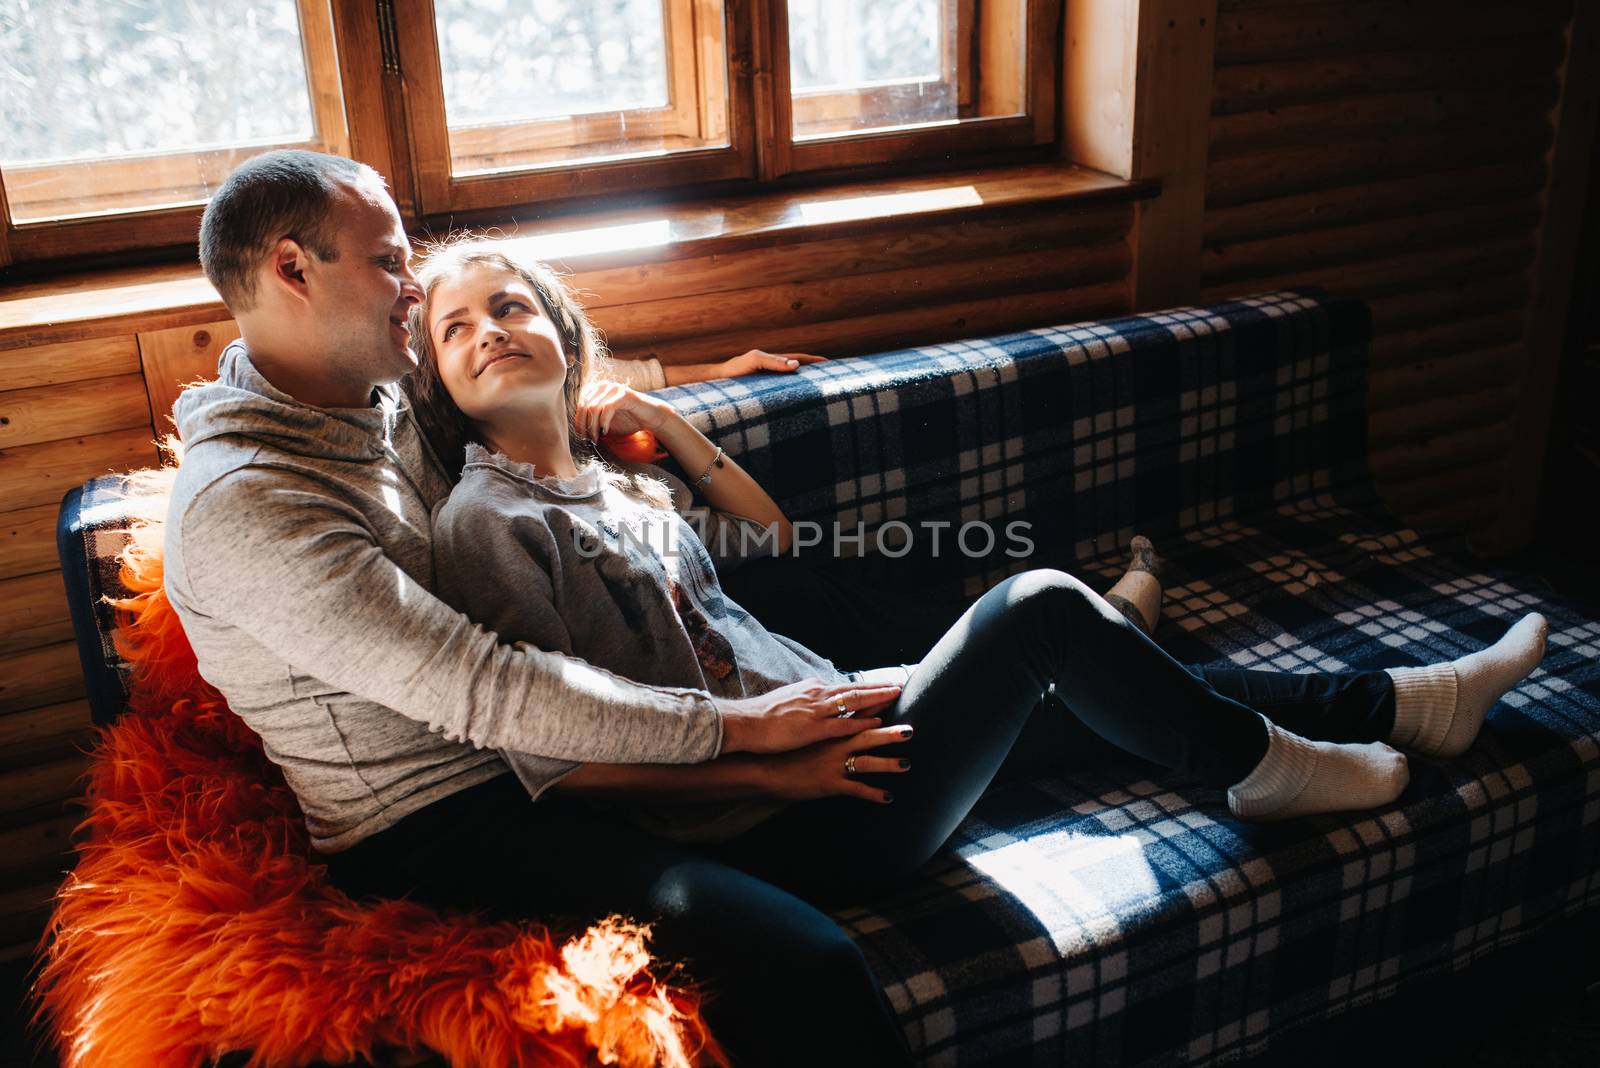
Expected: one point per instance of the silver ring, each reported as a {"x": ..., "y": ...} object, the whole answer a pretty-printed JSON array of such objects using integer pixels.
[
  {"x": 843, "y": 710},
  {"x": 850, "y": 764}
]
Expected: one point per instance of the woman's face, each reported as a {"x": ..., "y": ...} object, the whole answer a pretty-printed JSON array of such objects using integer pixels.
[{"x": 497, "y": 348}]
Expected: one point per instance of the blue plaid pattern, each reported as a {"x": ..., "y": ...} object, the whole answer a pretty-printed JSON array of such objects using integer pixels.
[
  {"x": 1122, "y": 916},
  {"x": 1088, "y": 432}
]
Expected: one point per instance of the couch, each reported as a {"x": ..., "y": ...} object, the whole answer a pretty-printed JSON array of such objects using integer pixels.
[{"x": 1120, "y": 915}]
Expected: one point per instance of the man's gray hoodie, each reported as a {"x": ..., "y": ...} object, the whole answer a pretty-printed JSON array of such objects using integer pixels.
[{"x": 298, "y": 559}]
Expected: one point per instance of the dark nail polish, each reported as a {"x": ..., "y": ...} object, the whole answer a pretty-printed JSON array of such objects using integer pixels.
[
  {"x": 887, "y": 796},
  {"x": 905, "y": 763},
  {"x": 906, "y": 731}
]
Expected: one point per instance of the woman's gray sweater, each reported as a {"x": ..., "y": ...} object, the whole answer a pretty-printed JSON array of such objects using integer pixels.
[{"x": 588, "y": 568}]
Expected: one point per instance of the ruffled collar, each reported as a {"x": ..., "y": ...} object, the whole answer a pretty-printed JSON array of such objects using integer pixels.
[{"x": 586, "y": 483}]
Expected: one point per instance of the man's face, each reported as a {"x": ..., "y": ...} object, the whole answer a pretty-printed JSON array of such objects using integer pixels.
[{"x": 360, "y": 300}]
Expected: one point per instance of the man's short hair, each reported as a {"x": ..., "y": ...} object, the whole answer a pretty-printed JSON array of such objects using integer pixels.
[{"x": 285, "y": 193}]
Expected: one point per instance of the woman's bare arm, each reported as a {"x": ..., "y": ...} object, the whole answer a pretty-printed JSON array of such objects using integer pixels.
[{"x": 607, "y": 406}]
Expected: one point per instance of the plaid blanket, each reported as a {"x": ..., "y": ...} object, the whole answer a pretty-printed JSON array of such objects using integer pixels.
[{"x": 1122, "y": 916}]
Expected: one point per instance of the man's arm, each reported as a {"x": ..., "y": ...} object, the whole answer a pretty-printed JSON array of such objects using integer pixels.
[{"x": 276, "y": 556}]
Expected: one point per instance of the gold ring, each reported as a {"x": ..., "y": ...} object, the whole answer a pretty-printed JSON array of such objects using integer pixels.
[
  {"x": 843, "y": 710},
  {"x": 850, "y": 764}
]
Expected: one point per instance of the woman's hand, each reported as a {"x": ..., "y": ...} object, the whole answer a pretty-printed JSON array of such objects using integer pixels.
[
  {"x": 800, "y": 714},
  {"x": 759, "y": 360},
  {"x": 819, "y": 771},
  {"x": 748, "y": 363},
  {"x": 606, "y": 407}
]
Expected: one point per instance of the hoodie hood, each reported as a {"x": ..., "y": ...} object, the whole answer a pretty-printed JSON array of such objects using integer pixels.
[{"x": 242, "y": 402}]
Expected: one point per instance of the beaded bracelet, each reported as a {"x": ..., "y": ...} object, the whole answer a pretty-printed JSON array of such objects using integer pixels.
[{"x": 716, "y": 461}]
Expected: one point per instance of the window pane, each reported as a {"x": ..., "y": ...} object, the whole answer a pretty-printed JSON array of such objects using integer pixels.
[
  {"x": 864, "y": 65},
  {"x": 149, "y": 103},
  {"x": 541, "y": 83}
]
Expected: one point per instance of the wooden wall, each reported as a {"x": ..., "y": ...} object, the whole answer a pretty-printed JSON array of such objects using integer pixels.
[
  {"x": 1400, "y": 152},
  {"x": 73, "y": 409},
  {"x": 68, "y": 411},
  {"x": 1404, "y": 153}
]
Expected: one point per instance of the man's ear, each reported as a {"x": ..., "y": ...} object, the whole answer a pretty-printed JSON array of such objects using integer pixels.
[{"x": 288, "y": 268}]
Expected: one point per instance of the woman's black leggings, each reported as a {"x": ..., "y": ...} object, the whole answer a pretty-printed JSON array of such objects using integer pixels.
[{"x": 789, "y": 986}]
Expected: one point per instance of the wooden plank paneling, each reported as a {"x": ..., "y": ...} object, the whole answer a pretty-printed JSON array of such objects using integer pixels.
[
  {"x": 869, "y": 333},
  {"x": 1366, "y": 201},
  {"x": 33, "y": 789},
  {"x": 1439, "y": 414},
  {"x": 1342, "y": 244},
  {"x": 1395, "y": 153},
  {"x": 40, "y": 677},
  {"x": 46, "y": 733},
  {"x": 174, "y": 358},
  {"x": 1285, "y": 171},
  {"x": 36, "y": 852},
  {"x": 767, "y": 308},
  {"x": 1255, "y": 36},
  {"x": 1416, "y": 459},
  {"x": 1474, "y": 296},
  {"x": 33, "y": 612},
  {"x": 28, "y": 541},
  {"x": 1518, "y": 63},
  {"x": 42, "y": 474},
  {"x": 72, "y": 409},
  {"x": 1405, "y": 273},
  {"x": 1465, "y": 372},
  {"x": 848, "y": 256},
  {"x": 1458, "y": 335},
  {"x": 1464, "y": 110},
  {"x": 70, "y": 361}
]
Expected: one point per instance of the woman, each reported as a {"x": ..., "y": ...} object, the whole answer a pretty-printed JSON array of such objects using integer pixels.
[{"x": 545, "y": 543}]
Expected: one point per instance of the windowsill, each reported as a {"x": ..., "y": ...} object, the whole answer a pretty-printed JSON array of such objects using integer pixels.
[{"x": 134, "y": 299}]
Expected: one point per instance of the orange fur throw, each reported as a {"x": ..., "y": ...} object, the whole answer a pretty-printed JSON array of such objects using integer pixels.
[{"x": 196, "y": 922}]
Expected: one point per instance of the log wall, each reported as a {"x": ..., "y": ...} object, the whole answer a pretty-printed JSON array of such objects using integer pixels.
[
  {"x": 1405, "y": 154},
  {"x": 68, "y": 411},
  {"x": 72, "y": 409},
  {"x": 1400, "y": 153}
]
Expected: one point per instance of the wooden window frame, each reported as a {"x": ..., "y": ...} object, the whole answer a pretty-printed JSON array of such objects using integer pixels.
[
  {"x": 957, "y": 50},
  {"x": 986, "y": 44},
  {"x": 693, "y": 80},
  {"x": 115, "y": 223},
  {"x": 696, "y": 105},
  {"x": 375, "y": 79}
]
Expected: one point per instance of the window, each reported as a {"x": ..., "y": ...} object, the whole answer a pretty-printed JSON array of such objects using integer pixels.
[
  {"x": 473, "y": 108},
  {"x": 553, "y": 84},
  {"x": 862, "y": 65},
  {"x": 146, "y": 105}
]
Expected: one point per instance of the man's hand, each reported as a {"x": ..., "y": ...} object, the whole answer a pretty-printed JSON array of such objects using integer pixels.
[{"x": 801, "y": 714}]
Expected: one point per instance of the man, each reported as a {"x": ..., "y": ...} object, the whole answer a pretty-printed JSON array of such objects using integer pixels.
[{"x": 298, "y": 559}]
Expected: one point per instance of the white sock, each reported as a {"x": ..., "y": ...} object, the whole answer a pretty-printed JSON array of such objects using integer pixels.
[
  {"x": 1298, "y": 777},
  {"x": 1438, "y": 709}
]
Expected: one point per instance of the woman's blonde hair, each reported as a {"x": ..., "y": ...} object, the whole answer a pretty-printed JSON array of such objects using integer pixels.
[{"x": 447, "y": 428}]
